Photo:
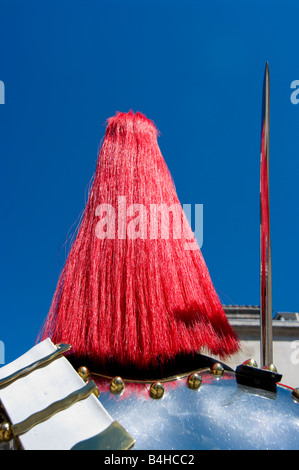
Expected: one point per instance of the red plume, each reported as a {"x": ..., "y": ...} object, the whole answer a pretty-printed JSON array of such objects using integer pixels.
[{"x": 129, "y": 293}]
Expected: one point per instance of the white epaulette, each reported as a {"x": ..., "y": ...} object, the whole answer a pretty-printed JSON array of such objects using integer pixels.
[{"x": 46, "y": 405}]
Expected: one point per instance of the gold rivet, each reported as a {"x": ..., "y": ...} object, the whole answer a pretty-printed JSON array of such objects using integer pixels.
[
  {"x": 156, "y": 390},
  {"x": 117, "y": 385},
  {"x": 270, "y": 367},
  {"x": 295, "y": 394},
  {"x": 217, "y": 369},
  {"x": 250, "y": 362},
  {"x": 84, "y": 373},
  {"x": 194, "y": 381},
  {"x": 5, "y": 432},
  {"x": 96, "y": 392}
]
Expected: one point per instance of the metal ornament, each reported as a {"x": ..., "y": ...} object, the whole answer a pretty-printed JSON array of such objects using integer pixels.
[
  {"x": 250, "y": 362},
  {"x": 157, "y": 390},
  {"x": 217, "y": 369},
  {"x": 117, "y": 385},
  {"x": 5, "y": 432},
  {"x": 295, "y": 394},
  {"x": 84, "y": 373},
  {"x": 114, "y": 437},
  {"x": 194, "y": 381},
  {"x": 270, "y": 367}
]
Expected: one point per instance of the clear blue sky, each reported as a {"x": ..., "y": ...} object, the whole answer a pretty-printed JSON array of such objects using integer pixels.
[{"x": 196, "y": 68}]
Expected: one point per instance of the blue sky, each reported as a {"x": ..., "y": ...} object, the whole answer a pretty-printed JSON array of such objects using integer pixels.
[{"x": 194, "y": 67}]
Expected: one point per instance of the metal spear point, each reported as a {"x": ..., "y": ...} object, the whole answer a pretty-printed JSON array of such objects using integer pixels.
[{"x": 265, "y": 241}]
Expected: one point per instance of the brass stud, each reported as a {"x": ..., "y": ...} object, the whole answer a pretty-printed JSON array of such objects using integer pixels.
[
  {"x": 250, "y": 362},
  {"x": 295, "y": 394},
  {"x": 84, "y": 373},
  {"x": 5, "y": 432},
  {"x": 270, "y": 367},
  {"x": 117, "y": 385},
  {"x": 194, "y": 381},
  {"x": 96, "y": 392},
  {"x": 157, "y": 390},
  {"x": 217, "y": 369}
]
